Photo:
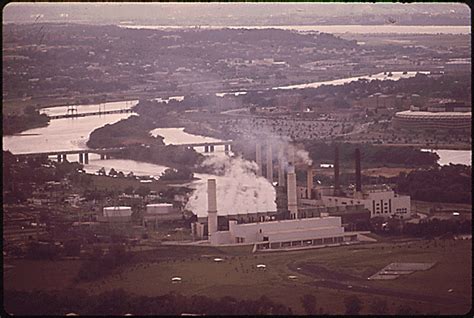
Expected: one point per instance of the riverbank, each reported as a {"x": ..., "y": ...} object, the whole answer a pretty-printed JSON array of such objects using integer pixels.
[{"x": 460, "y": 146}]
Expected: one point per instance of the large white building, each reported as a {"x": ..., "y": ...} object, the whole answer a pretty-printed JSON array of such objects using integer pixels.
[
  {"x": 285, "y": 233},
  {"x": 380, "y": 201}
]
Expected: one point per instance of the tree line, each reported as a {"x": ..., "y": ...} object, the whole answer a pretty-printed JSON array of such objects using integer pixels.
[
  {"x": 450, "y": 184},
  {"x": 119, "y": 302}
]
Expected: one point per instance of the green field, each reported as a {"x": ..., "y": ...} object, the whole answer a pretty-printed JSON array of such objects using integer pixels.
[{"x": 149, "y": 273}]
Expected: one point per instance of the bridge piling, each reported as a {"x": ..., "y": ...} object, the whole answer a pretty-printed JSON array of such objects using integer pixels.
[
  {"x": 59, "y": 158},
  {"x": 86, "y": 158},
  {"x": 64, "y": 158},
  {"x": 81, "y": 158},
  {"x": 211, "y": 148}
]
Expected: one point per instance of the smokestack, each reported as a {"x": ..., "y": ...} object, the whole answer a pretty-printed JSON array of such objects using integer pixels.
[
  {"x": 269, "y": 163},
  {"x": 291, "y": 192},
  {"x": 336, "y": 171},
  {"x": 357, "y": 170},
  {"x": 309, "y": 182},
  {"x": 258, "y": 158},
  {"x": 281, "y": 168},
  {"x": 211, "y": 207}
]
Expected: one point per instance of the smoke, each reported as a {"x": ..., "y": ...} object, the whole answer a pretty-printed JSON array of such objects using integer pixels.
[
  {"x": 239, "y": 189},
  {"x": 303, "y": 156}
]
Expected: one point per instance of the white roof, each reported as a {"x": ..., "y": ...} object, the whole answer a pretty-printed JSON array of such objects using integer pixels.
[
  {"x": 427, "y": 115},
  {"x": 117, "y": 208}
]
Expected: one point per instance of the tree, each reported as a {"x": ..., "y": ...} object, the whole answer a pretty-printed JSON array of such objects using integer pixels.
[
  {"x": 112, "y": 172},
  {"x": 353, "y": 305},
  {"x": 72, "y": 248},
  {"x": 405, "y": 310},
  {"x": 378, "y": 306},
  {"x": 143, "y": 191},
  {"x": 128, "y": 190},
  {"x": 309, "y": 303}
]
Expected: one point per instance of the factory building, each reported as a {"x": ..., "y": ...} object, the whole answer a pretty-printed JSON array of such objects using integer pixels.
[
  {"x": 306, "y": 215},
  {"x": 379, "y": 200},
  {"x": 158, "y": 213},
  {"x": 116, "y": 214},
  {"x": 273, "y": 234}
]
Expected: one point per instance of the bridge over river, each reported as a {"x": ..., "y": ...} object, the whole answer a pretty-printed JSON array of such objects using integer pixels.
[
  {"x": 106, "y": 153},
  {"x": 72, "y": 113}
]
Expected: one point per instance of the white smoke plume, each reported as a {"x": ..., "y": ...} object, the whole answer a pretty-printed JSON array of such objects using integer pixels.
[
  {"x": 239, "y": 189},
  {"x": 303, "y": 156}
]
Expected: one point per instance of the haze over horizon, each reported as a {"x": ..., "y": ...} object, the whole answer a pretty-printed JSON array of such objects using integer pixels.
[{"x": 233, "y": 14}]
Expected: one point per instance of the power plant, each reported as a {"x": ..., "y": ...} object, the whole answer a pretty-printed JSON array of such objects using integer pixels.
[{"x": 306, "y": 215}]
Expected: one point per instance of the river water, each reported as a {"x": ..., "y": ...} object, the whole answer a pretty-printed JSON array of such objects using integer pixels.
[
  {"x": 446, "y": 156},
  {"x": 379, "y": 76},
  {"x": 73, "y": 133},
  {"x": 337, "y": 29}
]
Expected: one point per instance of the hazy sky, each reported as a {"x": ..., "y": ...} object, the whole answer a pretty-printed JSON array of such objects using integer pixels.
[{"x": 209, "y": 13}]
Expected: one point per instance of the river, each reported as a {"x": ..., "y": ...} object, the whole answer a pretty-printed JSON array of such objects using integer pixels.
[
  {"x": 446, "y": 156},
  {"x": 72, "y": 133},
  {"x": 336, "y": 29}
]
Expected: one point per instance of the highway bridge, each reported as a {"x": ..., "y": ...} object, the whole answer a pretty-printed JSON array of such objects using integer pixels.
[
  {"x": 75, "y": 114},
  {"x": 106, "y": 153}
]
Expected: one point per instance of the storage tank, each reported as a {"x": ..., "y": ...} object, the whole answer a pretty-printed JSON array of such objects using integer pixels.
[
  {"x": 117, "y": 211},
  {"x": 159, "y": 208}
]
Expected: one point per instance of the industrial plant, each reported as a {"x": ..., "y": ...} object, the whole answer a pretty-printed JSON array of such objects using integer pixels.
[{"x": 306, "y": 216}]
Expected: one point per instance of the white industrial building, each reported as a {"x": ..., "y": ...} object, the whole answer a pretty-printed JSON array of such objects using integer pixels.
[
  {"x": 116, "y": 214},
  {"x": 159, "y": 212},
  {"x": 380, "y": 201}
]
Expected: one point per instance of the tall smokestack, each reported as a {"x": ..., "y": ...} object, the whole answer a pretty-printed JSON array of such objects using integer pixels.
[
  {"x": 336, "y": 170},
  {"x": 281, "y": 168},
  {"x": 269, "y": 163},
  {"x": 258, "y": 158},
  {"x": 357, "y": 170},
  {"x": 291, "y": 191},
  {"x": 211, "y": 207},
  {"x": 309, "y": 182}
]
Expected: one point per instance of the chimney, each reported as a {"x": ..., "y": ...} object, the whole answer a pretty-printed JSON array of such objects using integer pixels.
[
  {"x": 291, "y": 191},
  {"x": 281, "y": 168},
  {"x": 269, "y": 163},
  {"x": 309, "y": 183},
  {"x": 211, "y": 207},
  {"x": 258, "y": 158},
  {"x": 357, "y": 171},
  {"x": 336, "y": 171}
]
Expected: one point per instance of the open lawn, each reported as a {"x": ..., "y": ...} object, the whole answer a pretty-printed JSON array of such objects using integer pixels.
[{"x": 339, "y": 269}]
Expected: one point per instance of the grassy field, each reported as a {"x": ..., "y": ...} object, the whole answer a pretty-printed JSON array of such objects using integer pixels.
[{"x": 150, "y": 272}]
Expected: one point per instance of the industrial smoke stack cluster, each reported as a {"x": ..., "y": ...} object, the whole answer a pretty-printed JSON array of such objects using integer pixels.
[
  {"x": 269, "y": 161},
  {"x": 358, "y": 177}
]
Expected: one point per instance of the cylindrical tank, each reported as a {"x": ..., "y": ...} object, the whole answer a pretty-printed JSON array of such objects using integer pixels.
[
  {"x": 117, "y": 211},
  {"x": 159, "y": 208}
]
